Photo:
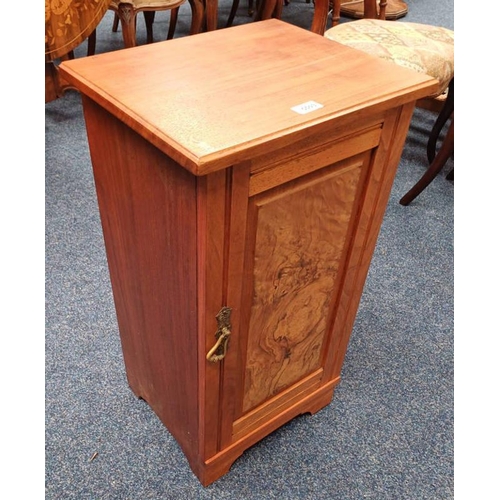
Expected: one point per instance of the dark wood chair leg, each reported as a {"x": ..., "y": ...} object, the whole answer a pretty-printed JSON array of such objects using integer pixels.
[
  {"x": 442, "y": 118},
  {"x": 198, "y": 16},
  {"x": 91, "y": 43},
  {"x": 434, "y": 168},
  {"x": 266, "y": 9},
  {"x": 232, "y": 13},
  {"x": 174, "y": 14},
  {"x": 278, "y": 10},
  {"x": 149, "y": 17},
  {"x": 116, "y": 22}
]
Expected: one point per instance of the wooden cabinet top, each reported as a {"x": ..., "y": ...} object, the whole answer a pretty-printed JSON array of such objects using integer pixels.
[{"x": 218, "y": 98}]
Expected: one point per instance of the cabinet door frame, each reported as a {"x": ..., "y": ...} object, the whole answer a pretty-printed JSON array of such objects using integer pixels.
[{"x": 379, "y": 169}]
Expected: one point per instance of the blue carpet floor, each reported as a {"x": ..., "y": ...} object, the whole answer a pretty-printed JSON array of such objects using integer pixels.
[{"x": 388, "y": 434}]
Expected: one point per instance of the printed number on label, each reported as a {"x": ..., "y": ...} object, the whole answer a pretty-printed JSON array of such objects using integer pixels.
[{"x": 307, "y": 107}]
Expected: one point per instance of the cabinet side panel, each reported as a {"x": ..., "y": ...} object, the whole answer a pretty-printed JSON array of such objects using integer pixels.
[{"x": 148, "y": 212}]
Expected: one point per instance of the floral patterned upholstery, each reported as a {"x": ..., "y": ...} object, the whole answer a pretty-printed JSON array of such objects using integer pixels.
[{"x": 421, "y": 47}]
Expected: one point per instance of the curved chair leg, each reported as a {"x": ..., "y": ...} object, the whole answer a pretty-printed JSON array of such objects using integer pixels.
[
  {"x": 266, "y": 9},
  {"x": 320, "y": 17},
  {"x": 149, "y": 18},
  {"x": 440, "y": 122},
  {"x": 434, "y": 168},
  {"x": 278, "y": 10},
  {"x": 116, "y": 22},
  {"x": 197, "y": 16},
  {"x": 128, "y": 15},
  {"x": 232, "y": 14},
  {"x": 91, "y": 41},
  {"x": 174, "y": 14}
]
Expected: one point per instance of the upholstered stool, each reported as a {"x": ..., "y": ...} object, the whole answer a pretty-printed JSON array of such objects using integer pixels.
[{"x": 420, "y": 47}]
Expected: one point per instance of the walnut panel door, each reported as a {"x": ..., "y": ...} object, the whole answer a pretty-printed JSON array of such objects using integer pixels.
[{"x": 296, "y": 244}]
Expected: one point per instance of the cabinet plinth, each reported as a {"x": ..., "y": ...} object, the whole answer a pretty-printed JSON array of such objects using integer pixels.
[{"x": 216, "y": 196}]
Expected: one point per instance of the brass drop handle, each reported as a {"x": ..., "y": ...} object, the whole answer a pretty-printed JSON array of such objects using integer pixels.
[{"x": 219, "y": 350}]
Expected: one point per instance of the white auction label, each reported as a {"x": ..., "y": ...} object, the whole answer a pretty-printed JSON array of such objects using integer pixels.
[{"x": 307, "y": 107}]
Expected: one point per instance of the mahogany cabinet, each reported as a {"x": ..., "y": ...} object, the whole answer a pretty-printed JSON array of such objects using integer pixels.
[{"x": 242, "y": 177}]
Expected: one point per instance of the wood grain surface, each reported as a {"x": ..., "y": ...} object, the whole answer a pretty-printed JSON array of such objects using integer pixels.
[
  {"x": 218, "y": 112},
  {"x": 69, "y": 22},
  {"x": 213, "y": 192},
  {"x": 147, "y": 205},
  {"x": 300, "y": 237}
]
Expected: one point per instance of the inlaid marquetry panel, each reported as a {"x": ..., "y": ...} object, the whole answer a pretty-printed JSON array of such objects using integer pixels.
[
  {"x": 69, "y": 22},
  {"x": 300, "y": 233}
]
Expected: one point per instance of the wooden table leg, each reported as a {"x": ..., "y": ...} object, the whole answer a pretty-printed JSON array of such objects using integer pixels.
[{"x": 355, "y": 9}]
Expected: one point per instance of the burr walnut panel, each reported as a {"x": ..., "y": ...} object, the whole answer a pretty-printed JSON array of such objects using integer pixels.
[{"x": 300, "y": 235}]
